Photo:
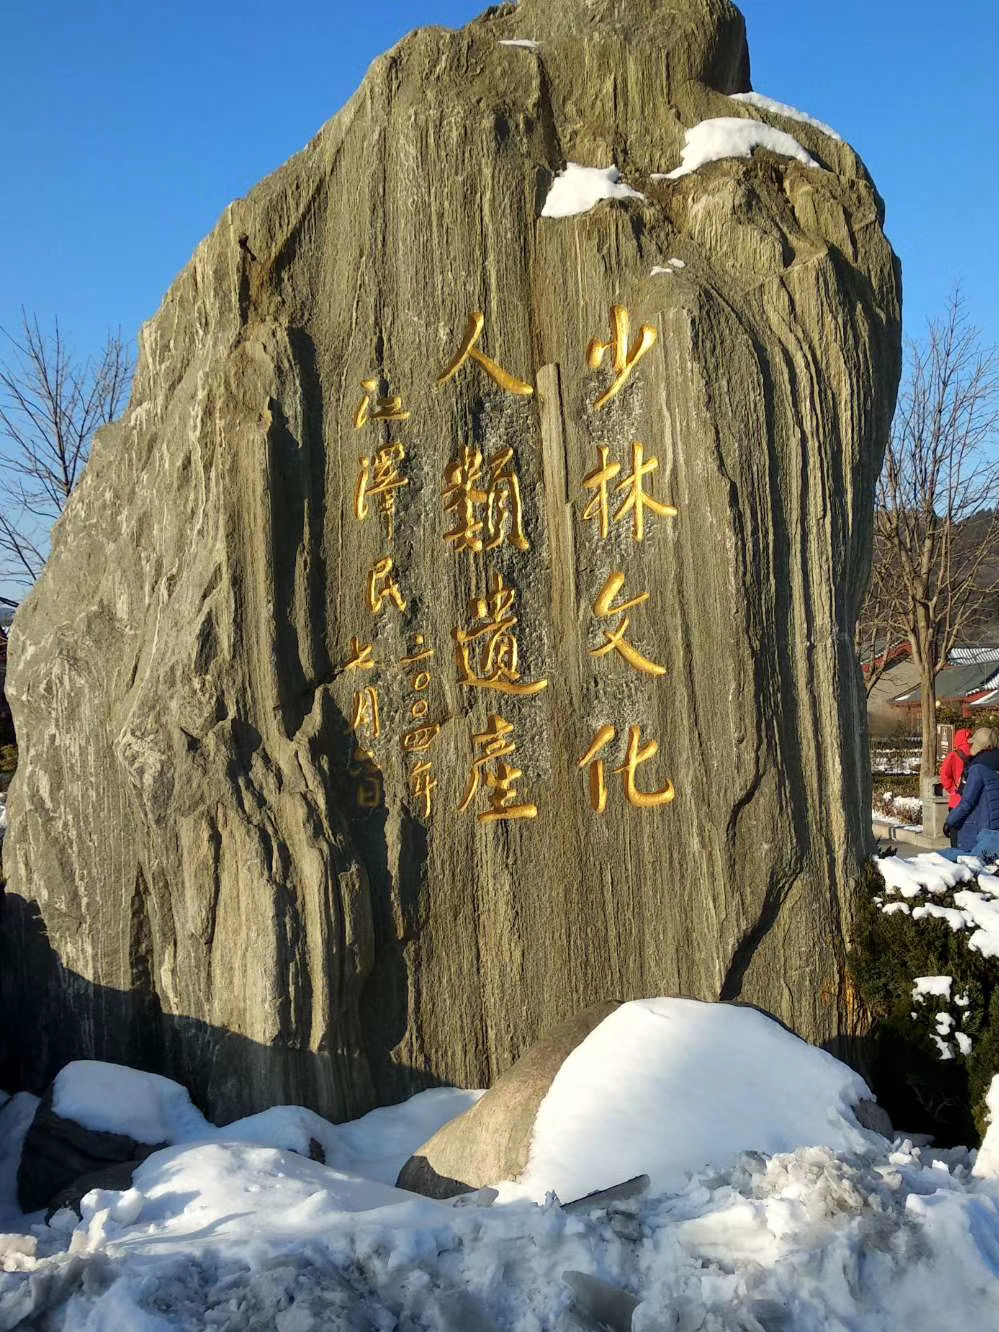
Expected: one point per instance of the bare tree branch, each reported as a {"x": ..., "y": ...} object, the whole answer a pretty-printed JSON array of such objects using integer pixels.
[
  {"x": 50, "y": 407},
  {"x": 936, "y": 558}
]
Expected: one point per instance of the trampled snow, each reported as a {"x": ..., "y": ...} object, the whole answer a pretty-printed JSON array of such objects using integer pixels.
[
  {"x": 782, "y": 109},
  {"x": 237, "y": 1237},
  {"x": 732, "y": 136},
  {"x": 577, "y": 189}
]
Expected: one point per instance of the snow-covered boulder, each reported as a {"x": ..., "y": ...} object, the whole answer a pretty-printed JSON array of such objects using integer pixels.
[
  {"x": 96, "y": 1118},
  {"x": 657, "y": 1087},
  {"x": 987, "y": 1163},
  {"x": 98, "y": 1121},
  {"x": 492, "y": 1140}
]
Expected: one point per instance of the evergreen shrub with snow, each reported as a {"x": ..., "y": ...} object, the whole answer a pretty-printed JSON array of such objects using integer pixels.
[{"x": 921, "y": 963}]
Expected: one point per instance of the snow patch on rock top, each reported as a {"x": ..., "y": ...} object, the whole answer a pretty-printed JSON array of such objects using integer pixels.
[
  {"x": 665, "y": 1087},
  {"x": 783, "y": 109},
  {"x": 110, "y": 1098},
  {"x": 525, "y": 42},
  {"x": 577, "y": 189},
  {"x": 732, "y": 136},
  {"x": 672, "y": 266}
]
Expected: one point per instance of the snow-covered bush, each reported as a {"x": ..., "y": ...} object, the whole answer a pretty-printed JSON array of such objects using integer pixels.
[{"x": 926, "y": 963}]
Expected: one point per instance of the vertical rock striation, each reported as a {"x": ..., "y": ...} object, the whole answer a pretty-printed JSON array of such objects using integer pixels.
[{"x": 238, "y": 851}]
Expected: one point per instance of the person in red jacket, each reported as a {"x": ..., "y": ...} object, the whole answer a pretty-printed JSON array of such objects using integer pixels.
[{"x": 953, "y": 769}]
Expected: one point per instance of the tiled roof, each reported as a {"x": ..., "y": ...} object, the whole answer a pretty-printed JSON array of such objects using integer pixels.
[{"x": 959, "y": 681}]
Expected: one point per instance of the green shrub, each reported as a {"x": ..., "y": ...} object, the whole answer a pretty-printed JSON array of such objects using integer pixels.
[
  {"x": 921, "y": 1091},
  {"x": 898, "y": 783},
  {"x": 8, "y": 758}
]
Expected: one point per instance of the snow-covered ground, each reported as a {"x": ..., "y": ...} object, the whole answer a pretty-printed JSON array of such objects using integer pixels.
[
  {"x": 841, "y": 1231},
  {"x": 902, "y": 811},
  {"x": 895, "y": 762}
]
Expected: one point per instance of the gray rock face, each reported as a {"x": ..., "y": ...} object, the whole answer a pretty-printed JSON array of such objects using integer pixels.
[{"x": 249, "y": 852}]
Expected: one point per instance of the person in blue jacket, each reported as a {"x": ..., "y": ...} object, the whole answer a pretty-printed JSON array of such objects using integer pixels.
[{"x": 976, "y": 818}]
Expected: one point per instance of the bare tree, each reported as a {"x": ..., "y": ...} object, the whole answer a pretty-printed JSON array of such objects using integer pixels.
[
  {"x": 936, "y": 543},
  {"x": 880, "y": 637},
  {"x": 50, "y": 406}
]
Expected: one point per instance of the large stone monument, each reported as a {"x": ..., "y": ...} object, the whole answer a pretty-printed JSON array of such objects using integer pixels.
[{"x": 457, "y": 629}]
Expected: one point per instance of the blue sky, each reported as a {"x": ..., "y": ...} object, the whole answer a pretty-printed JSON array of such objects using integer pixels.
[{"x": 126, "y": 130}]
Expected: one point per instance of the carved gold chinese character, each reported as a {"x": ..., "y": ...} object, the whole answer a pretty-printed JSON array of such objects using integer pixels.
[
  {"x": 382, "y": 586},
  {"x": 636, "y": 499},
  {"x": 470, "y": 484},
  {"x": 625, "y": 358},
  {"x": 368, "y": 789},
  {"x": 422, "y": 783},
  {"x": 462, "y": 497},
  {"x": 614, "y": 640},
  {"x": 386, "y": 409},
  {"x": 598, "y": 480},
  {"x": 636, "y": 754},
  {"x": 366, "y": 711},
  {"x": 469, "y": 349},
  {"x": 504, "y": 510},
  {"x": 418, "y": 652},
  {"x": 380, "y": 478},
  {"x": 362, "y": 656},
  {"x": 495, "y": 643},
  {"x": 420, "y": 738},
  {"x": 496, "y": 745}
]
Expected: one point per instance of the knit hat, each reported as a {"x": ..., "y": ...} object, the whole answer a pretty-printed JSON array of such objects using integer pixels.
[{"x": 984, "y": 738}]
